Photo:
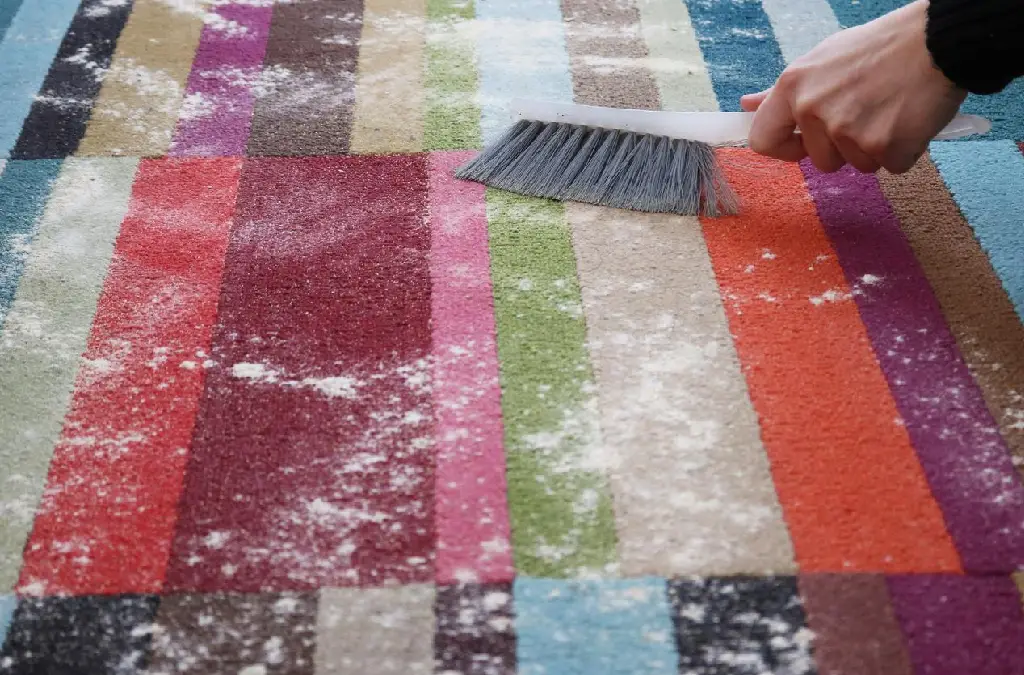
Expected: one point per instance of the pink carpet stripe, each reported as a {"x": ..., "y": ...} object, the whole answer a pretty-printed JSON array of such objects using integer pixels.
[
  {"x": 109, "y": 511},
  {"x": 471, "y": 509},
  {"x": 963, "y": 455},
  {"x": 217, "y": 112}
]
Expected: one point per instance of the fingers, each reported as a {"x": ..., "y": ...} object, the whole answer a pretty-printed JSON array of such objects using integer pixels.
[
  {"x": 855, "y": 156},
  {"x": 751, "y": 102},
  {"x": 820, "y": 148},
  {"x": 772, "y": 132}
]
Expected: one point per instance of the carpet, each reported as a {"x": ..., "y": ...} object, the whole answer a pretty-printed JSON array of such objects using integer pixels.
[{"x": 278, "y": 394}]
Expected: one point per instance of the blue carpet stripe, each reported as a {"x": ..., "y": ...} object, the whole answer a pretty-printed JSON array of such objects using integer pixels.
[
  {"x": 986, "y": 178},
  {"x": 612, "y": 627},
  {"x": 739, "y": 47},
  {"x": 1004, "y": 109},
  {"x": 26, "y": 53},
  {"x": 24, "y": 188}
]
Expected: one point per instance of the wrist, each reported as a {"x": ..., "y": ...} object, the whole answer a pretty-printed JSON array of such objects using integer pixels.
[{"x": 958, "y": 38}]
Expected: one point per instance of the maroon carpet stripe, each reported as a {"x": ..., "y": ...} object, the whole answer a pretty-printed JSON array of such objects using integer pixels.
[
  {"x": 954, "y": 624},
  {"x": 475, "y": 629},
  {"x": 855, "y": 630},
  {"x": 306, "y": 94},
  {"x": 312, "y": 464}
]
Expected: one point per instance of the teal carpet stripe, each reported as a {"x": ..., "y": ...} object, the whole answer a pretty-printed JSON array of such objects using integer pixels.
[
  {"x": 8, "y": 8},
  {"x": 740, "y": 60},
  {"x": 986, "y": 179},
  {"x": 7, "y": 605},
  {"x": 24, "y": 189}
]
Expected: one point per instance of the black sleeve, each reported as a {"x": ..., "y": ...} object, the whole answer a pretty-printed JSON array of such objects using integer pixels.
[{"x": 978, "y": 44}]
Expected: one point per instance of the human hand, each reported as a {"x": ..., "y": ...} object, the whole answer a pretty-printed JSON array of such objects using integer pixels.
[{"x": 868, "y": 96}]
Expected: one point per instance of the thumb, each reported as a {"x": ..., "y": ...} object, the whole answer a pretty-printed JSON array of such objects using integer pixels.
[
  {"x": 751, "y": 102},
  {"x": 772, "y": 132}
]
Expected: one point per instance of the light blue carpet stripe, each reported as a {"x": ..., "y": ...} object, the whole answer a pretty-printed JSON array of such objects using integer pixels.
[
  {"x": 610, "y": 626},
  {"x": 26, "y": 52},
  {"x": 800, "y": 25},
  {"x": 739, "y": 47},
  {"x": 521, "y": 53},
  {"x": 1004, "y": 109},
  {"x": 986, "y": 178},
  {"x": 24, "y": 188}
]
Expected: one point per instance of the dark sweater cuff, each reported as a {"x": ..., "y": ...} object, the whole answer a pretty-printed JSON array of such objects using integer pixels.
[{"x": 977, "y": 43}]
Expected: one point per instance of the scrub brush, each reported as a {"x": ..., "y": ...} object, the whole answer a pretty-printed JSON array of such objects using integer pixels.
[{"x": 642, "y": 160}]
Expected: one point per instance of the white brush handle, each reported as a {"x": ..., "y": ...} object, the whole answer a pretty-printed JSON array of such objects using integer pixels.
[{"x": 713, "y": 128}]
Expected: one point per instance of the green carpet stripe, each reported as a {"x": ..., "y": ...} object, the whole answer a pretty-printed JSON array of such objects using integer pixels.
[
  {"x": 559, "y": 499},
  {"x": 452, "y": 120}
]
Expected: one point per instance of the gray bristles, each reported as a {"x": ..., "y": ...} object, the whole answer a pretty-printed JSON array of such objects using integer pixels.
[{"x": 626, "y": 170}]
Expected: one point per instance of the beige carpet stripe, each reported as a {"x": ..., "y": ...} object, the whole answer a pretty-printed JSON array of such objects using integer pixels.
[
  {"x": 137, "y": 108},
  {"x": 674, "y": 57},
  {"x": 385, "y": 631},
  {"x": 691, "y": 485},
  {"x": 389, "y": 82}
]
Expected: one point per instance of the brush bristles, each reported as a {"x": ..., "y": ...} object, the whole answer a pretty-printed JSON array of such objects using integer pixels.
[{"x": 608, "y": 167}]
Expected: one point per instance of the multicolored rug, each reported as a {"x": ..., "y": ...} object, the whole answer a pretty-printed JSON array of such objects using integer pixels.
[{"x": 280, "y": 395}]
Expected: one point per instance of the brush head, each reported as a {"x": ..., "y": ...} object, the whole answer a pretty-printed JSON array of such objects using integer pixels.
[{"x": 608, "y": 167}]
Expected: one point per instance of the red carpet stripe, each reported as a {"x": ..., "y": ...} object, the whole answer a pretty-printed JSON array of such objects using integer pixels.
[
  {"x": 852, "y": 491},
  {"x": 955, "y": 625},
  {"x": 856, "y": 632},
  {"x": 958, "y": 443},
  {"x": 471, "y": 507},
  {"x": 116, "y": 473},
  {"x": 312, "y": 462}
]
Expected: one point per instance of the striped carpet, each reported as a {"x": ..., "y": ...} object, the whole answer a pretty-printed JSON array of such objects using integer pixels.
[{"x": 280, "y": 395}]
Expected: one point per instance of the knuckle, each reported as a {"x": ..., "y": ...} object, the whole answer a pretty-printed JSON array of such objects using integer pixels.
[
  {"x": 790, "y": 77},
  {"x": 842, "y": 127},
  {"x": 874, "y": 146},
  {"x": 804, "y": 109}
]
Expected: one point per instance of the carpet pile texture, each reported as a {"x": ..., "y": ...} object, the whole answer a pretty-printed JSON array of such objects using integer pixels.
[{"x": 278, "y": 394}]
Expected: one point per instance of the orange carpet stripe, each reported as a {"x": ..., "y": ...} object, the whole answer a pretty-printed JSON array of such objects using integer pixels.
[{"x": 853, "y": 493}]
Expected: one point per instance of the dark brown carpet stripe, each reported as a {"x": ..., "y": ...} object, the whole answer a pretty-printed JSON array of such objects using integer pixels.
[
  {"x": 221, "y": 633},
  {"x": 977, "y": 308},
  {"x": 855, "y": 631},
  {"x": 306, "y": 95}
]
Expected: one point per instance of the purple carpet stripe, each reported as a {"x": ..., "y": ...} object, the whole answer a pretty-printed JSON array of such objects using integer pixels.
[
  {"x": 966, "y": 460},
  {"x": 217, "y": 112},
  {"x": 960, "y": 625}
]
